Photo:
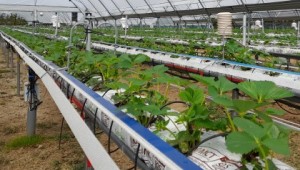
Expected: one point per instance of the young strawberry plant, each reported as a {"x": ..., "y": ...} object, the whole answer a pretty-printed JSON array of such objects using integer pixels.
[{"x": 252, "y": 132}]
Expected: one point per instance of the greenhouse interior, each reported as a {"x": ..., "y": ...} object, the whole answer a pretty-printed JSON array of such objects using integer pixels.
[{"x": 150, "y": 84}]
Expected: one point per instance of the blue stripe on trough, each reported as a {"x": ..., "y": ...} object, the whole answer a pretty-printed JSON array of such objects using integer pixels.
[{"x": 174, "y": 155}]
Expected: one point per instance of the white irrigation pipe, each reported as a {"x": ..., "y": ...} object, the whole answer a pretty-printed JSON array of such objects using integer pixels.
[
  {"x": 286, "y": 123},
  {"x": 96, "y": 153}
]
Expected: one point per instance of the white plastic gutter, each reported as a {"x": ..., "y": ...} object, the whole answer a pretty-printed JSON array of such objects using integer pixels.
[{"x": 95, "y": 152}]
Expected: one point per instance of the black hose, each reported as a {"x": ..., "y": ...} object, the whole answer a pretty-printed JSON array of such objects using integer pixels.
[
  {"x": 82, "y": 109},
  {"x": 286, "y": 109},
  {"x": 94, "y": 125},
  {"x": 174, "y": 102},
  {"x": 207, "y": 139},
  {"x": 106, "y": 92}
]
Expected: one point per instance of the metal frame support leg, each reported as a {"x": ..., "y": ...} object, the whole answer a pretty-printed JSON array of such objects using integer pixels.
[
  {"x": 33, "y": 103},
  {"x": 11, "y": 60},
  {"x": 18, "y": 76},
  {"x": 7, "y": 55}
]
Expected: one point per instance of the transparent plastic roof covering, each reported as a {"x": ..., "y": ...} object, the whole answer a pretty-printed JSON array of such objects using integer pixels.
[{"x": 170, "y": 10}]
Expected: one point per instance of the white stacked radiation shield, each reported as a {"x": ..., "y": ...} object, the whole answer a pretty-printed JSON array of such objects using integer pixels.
[{"x": 225, "y": 24}]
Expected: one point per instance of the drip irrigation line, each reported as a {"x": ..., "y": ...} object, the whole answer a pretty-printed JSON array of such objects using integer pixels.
[
  {"x": 141, "y": 164},
  {"x": 285, "y": 108},
  {"x": 109, "y": 136},
  {"x": 106, "y": 91},
  {"x": 174, "y": 102},
  {"x": 68, "y": 88},
  {"x": 60, "y": 84},
  {"x": 72, "y": 94},
  {"x": 82, "y": 109},
  {"x": 207, "y": 139},
  {"x": 136, "y": 158},
  {"x": 94, "y": 122},
  {"x": 109, "y": 139}
]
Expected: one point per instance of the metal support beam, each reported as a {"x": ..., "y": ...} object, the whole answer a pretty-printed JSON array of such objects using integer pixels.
[
  {"x": 106, "y": 9},
  {"x": 174, "y": 8},
  {"x": 41, "y": 8},
  {"x": 98, "y": 12}
]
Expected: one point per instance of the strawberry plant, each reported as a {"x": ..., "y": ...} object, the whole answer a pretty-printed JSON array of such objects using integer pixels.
[{"x": 253, "y": 133}]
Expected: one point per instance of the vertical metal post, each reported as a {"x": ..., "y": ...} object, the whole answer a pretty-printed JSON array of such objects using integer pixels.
[
  {"x": 88, "y": 32},
  {"x": 56, "y": 26},
  {"x": 7, "y": 55},
  {"x": 249, "y": 26},
  {"x": 18, "y": 76},
  {"x": 116, "y": 36},
  {"x": 235, "y": 95},
  {"x": 11, "y": 60},
  {"x": 263, "y": 25},
  {"x": 31, "y": 114},
  {"x": 244, "y": 29},
  {"x": 34, "y": 21},
  {"x": 141, "y": 24}
]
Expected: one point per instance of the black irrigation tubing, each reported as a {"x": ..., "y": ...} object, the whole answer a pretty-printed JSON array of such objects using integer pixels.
[
  {"x": 82, "y": 109},
  {"x": 60, "y": 134},
  {"x": 136, "y": 158},
  {"x": 61, "y": 82},
  {"x": 106, "y": 92},
  {"x": 286, "y": 109},
  {"x": 72, "y": 94},
  {"x": 207, "y": 139},
  {"x": 109, "y": 135},
  {"x": 109, "y": 139},
  {"x": 68, "y": 88},
  {"x": 174, "y": 102},
  {"x": 94, "y": 122},
  {"x": 120, "y": 143}
]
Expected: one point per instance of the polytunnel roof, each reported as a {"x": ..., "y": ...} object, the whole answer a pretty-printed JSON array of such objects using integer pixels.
[{"x": 172, "y": 9}]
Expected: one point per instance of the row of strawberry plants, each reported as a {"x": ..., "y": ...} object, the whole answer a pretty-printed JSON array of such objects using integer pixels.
[
  {"x": 232, "y": 50},
  {"x": 251, "y": 133}
]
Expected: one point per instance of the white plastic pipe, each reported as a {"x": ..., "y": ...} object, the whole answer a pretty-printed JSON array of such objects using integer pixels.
[{"x": 244, "y": 29}]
